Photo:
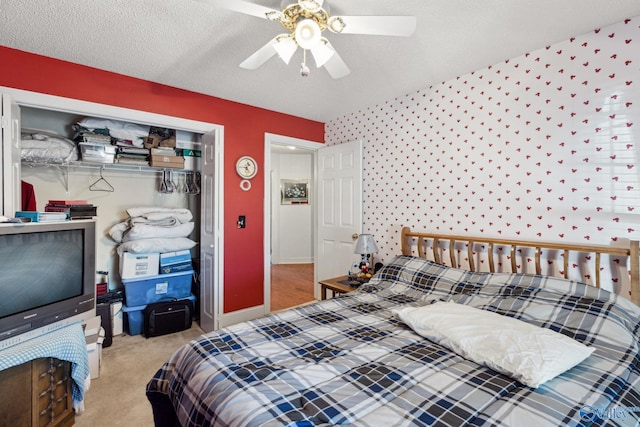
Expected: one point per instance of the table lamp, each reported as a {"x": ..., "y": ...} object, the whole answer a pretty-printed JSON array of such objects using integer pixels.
[{"x": 366, "y": 247}]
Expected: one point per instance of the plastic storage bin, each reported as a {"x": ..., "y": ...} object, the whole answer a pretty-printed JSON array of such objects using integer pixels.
[
  {"x": 135, "y": 316},
  {"x": 162, "y": 287},
  {"x": 96, "y": 152},
  {"x": 174, "y": 262}
]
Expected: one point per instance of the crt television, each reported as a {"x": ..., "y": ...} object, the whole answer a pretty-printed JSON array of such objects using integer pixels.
[{"x": 47, "y": 275}]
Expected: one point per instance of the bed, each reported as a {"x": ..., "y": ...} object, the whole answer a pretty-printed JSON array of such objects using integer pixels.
[{"x": 391, "y": 353}]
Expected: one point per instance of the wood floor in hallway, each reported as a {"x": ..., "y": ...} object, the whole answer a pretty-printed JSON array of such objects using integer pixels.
[{"x": 291, "y": 285}]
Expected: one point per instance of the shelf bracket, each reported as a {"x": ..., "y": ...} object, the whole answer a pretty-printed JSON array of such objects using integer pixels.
[{"x": 65, "y": 178}]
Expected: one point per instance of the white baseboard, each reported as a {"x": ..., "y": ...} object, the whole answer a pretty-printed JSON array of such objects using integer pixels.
[
  {"x": 294, "y": 260},
  {"x": 234, "y": 317}
]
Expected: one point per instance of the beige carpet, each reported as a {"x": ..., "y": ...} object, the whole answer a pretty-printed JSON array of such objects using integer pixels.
[{"x": 118, "y": 398}]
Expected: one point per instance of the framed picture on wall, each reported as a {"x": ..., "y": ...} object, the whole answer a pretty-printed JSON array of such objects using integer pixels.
[{"x": 294, "y": 191}]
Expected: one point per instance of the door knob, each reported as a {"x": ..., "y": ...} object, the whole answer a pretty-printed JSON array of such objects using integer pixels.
[{"x": 355, "y": 236}]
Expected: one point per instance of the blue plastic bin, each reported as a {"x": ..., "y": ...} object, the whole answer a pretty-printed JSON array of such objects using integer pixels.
[
  {"x": 134, "y": 319},
  {"x": 163, "y": 287},
  {"x": 135, "y": 316}
]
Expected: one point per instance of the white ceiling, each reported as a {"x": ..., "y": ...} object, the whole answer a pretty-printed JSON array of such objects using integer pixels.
[{"x": 194, "y": 46}]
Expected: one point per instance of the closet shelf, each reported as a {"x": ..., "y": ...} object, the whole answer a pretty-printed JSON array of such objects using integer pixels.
[
  {"x": 67, "y": 166},
  {"x": 104, "y": 166}
]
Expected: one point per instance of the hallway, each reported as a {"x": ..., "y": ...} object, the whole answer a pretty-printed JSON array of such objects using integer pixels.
[{"x": 291, "y": 285}]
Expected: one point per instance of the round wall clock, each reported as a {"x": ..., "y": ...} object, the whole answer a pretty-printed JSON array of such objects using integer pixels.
[{"x": 246, "y": 167}]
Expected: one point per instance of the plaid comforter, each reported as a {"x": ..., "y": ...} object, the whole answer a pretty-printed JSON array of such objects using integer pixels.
[{"x": 348, "y": 360}]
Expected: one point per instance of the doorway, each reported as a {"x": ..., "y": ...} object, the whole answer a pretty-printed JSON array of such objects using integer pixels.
[
  {"x": 291, "y": 285},
  {"x": 289, "y": 262}
]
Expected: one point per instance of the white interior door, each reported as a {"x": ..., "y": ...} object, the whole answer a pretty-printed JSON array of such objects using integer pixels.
[{"x": 339, "y": 208}]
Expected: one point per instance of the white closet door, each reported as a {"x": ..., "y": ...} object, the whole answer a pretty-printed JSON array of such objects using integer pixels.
[
  {"x": 210, "y": 251},
  {"x": 10, "y": 156}
]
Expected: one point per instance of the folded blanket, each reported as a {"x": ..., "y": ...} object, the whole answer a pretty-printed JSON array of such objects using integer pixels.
[
  {"x": 169, "y": 218},
  {"x": 156, "y": 213},
  {"x": 145, "y": 246},
  {"x": 143, "y": 229},
  {"x": 169, "y": 221},
  {"x": 148, "y": 231}
]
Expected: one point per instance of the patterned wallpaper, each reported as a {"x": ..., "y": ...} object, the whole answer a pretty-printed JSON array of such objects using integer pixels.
[{"x": 544, "y": 146}]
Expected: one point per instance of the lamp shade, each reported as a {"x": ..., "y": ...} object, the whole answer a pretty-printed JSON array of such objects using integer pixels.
[
  {"x": 365, "y": 245},
  {"x": 286, "y": 47},
  {"x": 307, "y": 33},
  {"x": 321, "y": 53}
]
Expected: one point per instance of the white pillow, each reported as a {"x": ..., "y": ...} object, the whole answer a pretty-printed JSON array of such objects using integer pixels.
[{"x": 527, "y": 353}]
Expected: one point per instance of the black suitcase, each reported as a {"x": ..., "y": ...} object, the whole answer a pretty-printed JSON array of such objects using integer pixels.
[{"x": 161, "y": 318}]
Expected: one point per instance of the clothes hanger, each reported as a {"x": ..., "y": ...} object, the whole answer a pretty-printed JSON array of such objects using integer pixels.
[
  {"x": 166, "y": 184},
  {"x": 191, "y": 183},
  {"x": 101, "y": 180}
]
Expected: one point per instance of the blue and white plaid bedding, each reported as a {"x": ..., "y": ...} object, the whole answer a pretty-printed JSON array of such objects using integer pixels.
[{"x": 348, "y": 360}]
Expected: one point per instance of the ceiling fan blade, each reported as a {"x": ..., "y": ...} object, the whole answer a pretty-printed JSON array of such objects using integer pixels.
[
  {"x": 379, "y": 25},
  {"x": 335, "y": 65},
  {"x": 241, "y": 6},
  {"x": 260, "y": 56}
]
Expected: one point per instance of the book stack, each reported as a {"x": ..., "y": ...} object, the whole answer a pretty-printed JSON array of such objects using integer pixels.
[
  {"x": 132, "y": 156},
  {"x": 33, "y": 216},
  {"x": 74, "y": 209}
]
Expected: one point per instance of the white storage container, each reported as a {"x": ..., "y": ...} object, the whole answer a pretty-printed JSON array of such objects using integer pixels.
[{"x": 133, "y": 266}]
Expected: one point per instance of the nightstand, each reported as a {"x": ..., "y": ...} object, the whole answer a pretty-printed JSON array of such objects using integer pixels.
[{"x": 335, "y": 286}]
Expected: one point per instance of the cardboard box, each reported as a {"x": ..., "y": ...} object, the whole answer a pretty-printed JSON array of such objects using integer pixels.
[
  {"x": 134, "y": 265},
  {"x": 160, "y": 137},
  {"x": 94, "y": 336},
  {"x": 92, "y": 326},
  {"x": 94, "y": 350},
  {"x": 173, "y": 262},
  {"x": 166, "y": 161}
]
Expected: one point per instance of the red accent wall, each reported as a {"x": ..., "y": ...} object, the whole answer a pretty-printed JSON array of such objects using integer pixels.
[{"x": 244, "y": 129}]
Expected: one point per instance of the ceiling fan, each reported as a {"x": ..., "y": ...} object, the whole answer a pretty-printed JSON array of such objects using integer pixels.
[{"x": 304, "y": 21}]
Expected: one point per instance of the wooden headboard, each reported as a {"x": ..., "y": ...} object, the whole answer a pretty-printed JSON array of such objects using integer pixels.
[{"x": 411, "y": 240}]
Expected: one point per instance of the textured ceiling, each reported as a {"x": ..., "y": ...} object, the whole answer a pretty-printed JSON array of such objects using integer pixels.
[{"x": 194, "y": 46}]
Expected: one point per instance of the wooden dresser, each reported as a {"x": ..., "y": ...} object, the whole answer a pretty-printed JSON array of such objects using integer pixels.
[{"x": 37, "y": 393}]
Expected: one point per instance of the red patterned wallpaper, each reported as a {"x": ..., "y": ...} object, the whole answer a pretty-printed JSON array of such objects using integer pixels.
[{"x": 544, "y": 146}]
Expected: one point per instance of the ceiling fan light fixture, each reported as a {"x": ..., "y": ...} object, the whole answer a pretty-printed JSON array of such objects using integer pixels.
[
  {"x": 307, "y": 34},
  {"x": 275, "y": 15},
  {"x": 285, "y": 46},
  {"x": 336, "y": 24},
  {"x": 310, "y": 5}
]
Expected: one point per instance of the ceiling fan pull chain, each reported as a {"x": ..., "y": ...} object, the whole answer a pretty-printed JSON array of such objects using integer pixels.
[{"x": 304, "y": 70}]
